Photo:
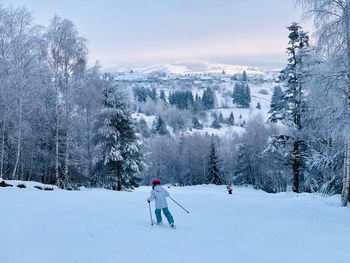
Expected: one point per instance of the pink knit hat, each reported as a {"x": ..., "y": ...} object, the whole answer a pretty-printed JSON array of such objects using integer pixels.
[{"x": 155, "y": 181}]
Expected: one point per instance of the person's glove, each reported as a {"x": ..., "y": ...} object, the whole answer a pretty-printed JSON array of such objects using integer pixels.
[{"x": 148, "y": 201}]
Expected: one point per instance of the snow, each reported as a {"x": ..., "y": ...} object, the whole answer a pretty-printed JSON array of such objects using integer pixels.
[
  {"x": 192, "y": 67},
  {"x": 105, "y": 226},
  {"x": 148, "y": 119},
  {"x": 196, "y": 76}
]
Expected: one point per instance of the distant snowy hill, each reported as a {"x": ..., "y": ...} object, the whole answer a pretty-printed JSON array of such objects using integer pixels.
[
  {"x": 196, "y": 76},
  {"x": 195, "y": 67}
]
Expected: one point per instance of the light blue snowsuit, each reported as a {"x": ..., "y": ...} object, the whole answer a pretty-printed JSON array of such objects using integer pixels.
[{"x": 159, "y": 195}]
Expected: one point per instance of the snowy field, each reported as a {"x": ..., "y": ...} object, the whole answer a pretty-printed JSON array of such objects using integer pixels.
[{"x": 110, "y": 227}]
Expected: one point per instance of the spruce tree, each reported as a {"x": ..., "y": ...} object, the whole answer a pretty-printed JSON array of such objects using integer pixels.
[
  {"x": 159, "y": 126},
  {"x": 244, "y": 76},
  {"x": 120, "y": 148},
  {"x": 214, "y": 173},
  {"x": 196, "y": 124},
  {"x": 248, "y": 98},
  {"x": 241, "y": 95},
  {"x": 153, "y": 94},
  {"x": 221, "y": 118},
  {"x": 208, "y": 99},
  {"x": 198, "y": 104},
  {"x": 290, "y": 109},
  {"x": 276, "y": 99},
  {"x": 216, "y": 123},
  {"x": 231, "y": 119}
]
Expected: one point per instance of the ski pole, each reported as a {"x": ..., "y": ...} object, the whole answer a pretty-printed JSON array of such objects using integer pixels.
[
  {"x": 150, "y": 212},
  {"x": 179, "y": 205}
]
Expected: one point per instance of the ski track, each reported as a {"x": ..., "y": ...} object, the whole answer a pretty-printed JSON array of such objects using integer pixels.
[{"x": 104, "y": 226}]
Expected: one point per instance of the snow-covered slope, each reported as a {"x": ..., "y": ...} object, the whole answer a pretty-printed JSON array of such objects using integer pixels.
[
  {"x": 95, "y": 226},
  {"x": 196, "y": 77}
]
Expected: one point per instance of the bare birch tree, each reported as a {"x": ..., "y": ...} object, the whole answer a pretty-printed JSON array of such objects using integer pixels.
[{"x": 67, "y": 58}]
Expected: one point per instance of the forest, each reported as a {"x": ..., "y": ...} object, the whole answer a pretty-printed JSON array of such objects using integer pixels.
[{"x": 68, "y": 123}]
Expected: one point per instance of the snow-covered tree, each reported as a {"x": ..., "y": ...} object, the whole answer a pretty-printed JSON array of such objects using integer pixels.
[
  {"x": 67, "y": 60},
  {"x": 216, "y": 122},
  {"x": 196, "y": 124},
  {"x": 142, "y": 128},
  {"x": 276, "y": 99},
  {"x": 159, "y": 126},
  {"x": 208, "y": 99},
  {"x": 244, "y": 76},
  {"x": 120, "y": 153},
  {"x": 291, "y": 108},
  {"x": 214, "y": 169},
  {"x": 231, "y": 119},
  {"x": 332, "y": 22},
  {"x": 252, "y": 166},
  {"x": 241, "y": 95}
]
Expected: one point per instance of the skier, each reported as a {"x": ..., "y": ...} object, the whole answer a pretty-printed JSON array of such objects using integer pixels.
[
  {"x": 159, "y": 194},
  {"x": 229, "y": 189}
]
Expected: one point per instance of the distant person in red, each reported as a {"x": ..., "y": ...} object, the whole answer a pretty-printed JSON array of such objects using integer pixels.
[{"x": 229, "y": 189}]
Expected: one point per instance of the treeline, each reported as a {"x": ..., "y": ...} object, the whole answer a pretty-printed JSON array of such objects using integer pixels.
[
  {"x": 56, "y": 122},
  {"x": 202, "y": 159},
  {"x": 185, "y": 100}
]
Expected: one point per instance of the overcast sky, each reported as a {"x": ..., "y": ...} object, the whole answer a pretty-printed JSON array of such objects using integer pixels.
[{"x": 142, "y": 32}]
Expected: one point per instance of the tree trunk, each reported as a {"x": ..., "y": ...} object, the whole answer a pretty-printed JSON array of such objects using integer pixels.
[
  {"x": 58, "y": 181},
  {"x": 296, "y": 168},
  {"x": 31, "y": 162},
  {"x": 346, "y": 177},
  {"x": 119, "y": 185},
  {"x": 18, "y": 154},
  {"x": 3, "y": 145},
  {"x": 66, "y": 163},
  {"x": 89, "y": 151}
]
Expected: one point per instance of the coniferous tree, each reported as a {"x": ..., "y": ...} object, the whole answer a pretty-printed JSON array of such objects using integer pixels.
[
  {"x": 196, "y": 124},
  {"x": 244, "y": 76},
  {"x": 221, "y": 118},
  {"x": 231, "y": 119},
  {"x": 276, "y": 99},
  {"x": 182, "y": 99},
  {"x": 208, "y": 99},
  {"x": 216, "y": 123},
  {"x": 153, "y": 94},
  {"x": 198, "y": 103},
  {"x": 214, "y": 171},
  {"x": 241, "y": 95},
  {"x": 258, "y": 106},
  {"x": 291, "y": 108},
  {"x": 120, "y": 149},
  {"x": 159, "y": 126}
]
